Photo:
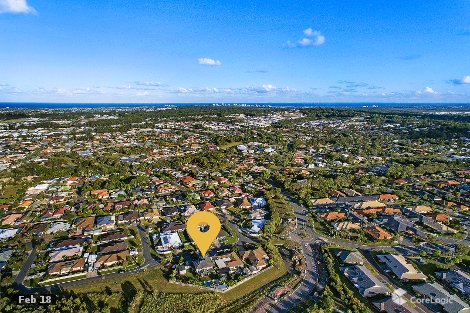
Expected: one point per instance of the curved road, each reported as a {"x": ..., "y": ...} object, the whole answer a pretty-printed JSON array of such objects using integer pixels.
[
  {"x": 19, "y": 280},
  {"x": 312, "y": 256}
]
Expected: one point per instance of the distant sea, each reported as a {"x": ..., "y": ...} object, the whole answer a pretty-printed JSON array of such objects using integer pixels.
[{"x": 31, "y": 105}]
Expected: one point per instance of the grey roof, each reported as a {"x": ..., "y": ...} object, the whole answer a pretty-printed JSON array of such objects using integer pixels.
[
  {"x": 449, "y": 303},
  {"x": 5, "y": 255},
  {"x": 457, "y": 279},
  {"x": 103, "y": 220},
  {"x": 204, "y": 263},
  {"x": 399, "y": 224},
  {"x": 367, "y": 284},
  {"x": 400, "y": 267},
  {"x": 350, "y": 257},
  {"x": 355, "y": 199},
  {"x": 387, "y": 305}
]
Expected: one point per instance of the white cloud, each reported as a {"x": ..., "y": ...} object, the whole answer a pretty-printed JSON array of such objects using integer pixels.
[
  {"x": 208, "y": 61},
  {"x": 148, "y": 84},
  {"x": 460, "y": 81},
  {"x": 16, "y": 6},
  {"x": 429, "y": 90},
  {"x": 309, "y": 31},
  {"x": 313, "y": 38},
  {"x": 269, "y": 87},
  {"x": 426, "y": 91}
]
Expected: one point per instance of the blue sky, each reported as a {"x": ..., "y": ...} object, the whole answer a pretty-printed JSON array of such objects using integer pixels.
[{"x": 234, "y": 51}]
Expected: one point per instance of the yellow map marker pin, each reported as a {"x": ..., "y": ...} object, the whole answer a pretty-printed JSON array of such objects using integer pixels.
[{"x": 195, "y": 226}]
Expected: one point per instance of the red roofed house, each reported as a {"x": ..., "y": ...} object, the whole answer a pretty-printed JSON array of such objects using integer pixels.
[
  {"x": 100, "y": 193},
  {"x": 440, "y": 217},
  {"x": 221, "y": 180},
  {"x": 59, "y": 212},
  {"x": 392, "y": 211},
  {"x": 206, "y": 206},
  {"x": 329, "y": 216},
  {"x": 388, "y": 197},
  {"x": 208, "y": 193},
  {"x": 378, "y": 233},
  {"x": 235, "y": 189},
  {"x": 187, "y": 179}
]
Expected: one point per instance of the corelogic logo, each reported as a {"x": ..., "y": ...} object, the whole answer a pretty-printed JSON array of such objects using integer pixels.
[{"x": 398, "y": 296}]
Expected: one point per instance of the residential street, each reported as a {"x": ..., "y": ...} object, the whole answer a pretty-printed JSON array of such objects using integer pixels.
[
  {"x": 19, "y": 280},
  {"x": 310, "y": 279}
]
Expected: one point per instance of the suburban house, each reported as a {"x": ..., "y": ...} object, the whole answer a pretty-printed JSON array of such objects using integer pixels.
[
  {"x": 350, "y": 257},
  {"x": 5, "y": 255},
  {"x": 402, "y": 224},
  {"x": 442, "y": 300},
  {"x": 389, "y": 306},
  {"x": 258, "y": 202},
  {"x": 59, "y": 212},
  {"x": 401, "y": 268},
  {"x": 329, "y": 216},
  {"x": 115, "y": 236},
  {"x": 206, "y": 206},
  {"x": 152, "y": 215},
  {"x": 100, "y": 193},
  {"x": 67, "y": 267},
  {"x": 366, "y": 283},
  {"x": 119, "y": 246},
  {"x": 223, "y": 203},
  {"x": 243, "y": 203},
  {"x": 106, "y": 222},
  {"x": 457, "y": 279},
  {"x": 37, "y": 229},
  {"x": 421, "y": 209},
  {"x": 129, "y": 217},
  {"x": 169, "y": 240},
  {"x": 112, "y": 258},
  {"x": 347, "y": 225},
  {"x": 84, "y": 225},
  {"x": 378, "y": 233},
  {"x": 228, "y": 263},
  {"x": 175, "y": 226},
  {"x": 6, "y": 233},
  {"x": 58, "y": 255},
  {"x": 204, "y": 266},
  {"x": 258, "y": 258},
  {"x": 57, "y": 226},
  {"x": 208, "y": 194},
  {"x": 68, "y": 243},
  {"x": 11, "y": 218}
]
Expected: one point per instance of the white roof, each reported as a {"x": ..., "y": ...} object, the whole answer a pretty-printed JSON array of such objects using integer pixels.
[
  {"x": 8, "y": 232},
  {"x": 58, "y": 226},
  {"x": 58, "y": 255},
  {"x": 170, "y": 240},
  {"x": 401, "y": 268}
]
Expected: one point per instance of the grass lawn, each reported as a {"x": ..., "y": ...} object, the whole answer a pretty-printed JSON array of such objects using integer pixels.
[
  {"x": 151, "y": 279},
  {"x": 229, "y": 145},
  {"x": 63, "y": 280},
  {"x": 429, "y": 268},
  {"x": 260, "y": 280}
]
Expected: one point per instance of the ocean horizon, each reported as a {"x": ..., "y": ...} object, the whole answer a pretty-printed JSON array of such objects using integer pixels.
[{"x": 46, "y": 105}]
